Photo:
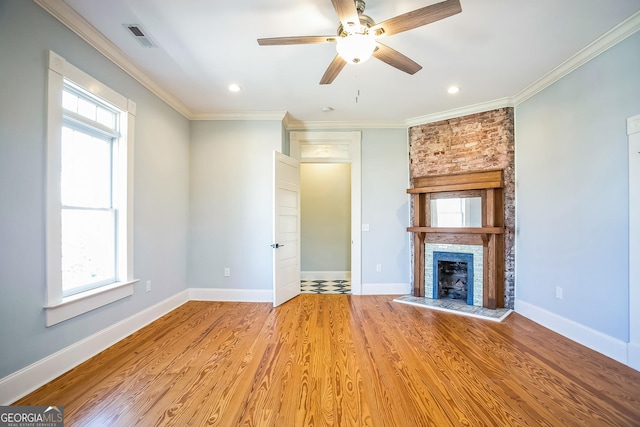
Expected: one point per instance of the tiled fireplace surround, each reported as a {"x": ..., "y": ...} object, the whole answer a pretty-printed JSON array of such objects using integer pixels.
[
  {"x": 477, "y": 142},
  {"x": 475, "y": 250}
]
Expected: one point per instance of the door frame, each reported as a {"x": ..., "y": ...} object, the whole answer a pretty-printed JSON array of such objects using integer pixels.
[
  {"x": 340, "y": 147},
  {"x": 633, "y": 347}
]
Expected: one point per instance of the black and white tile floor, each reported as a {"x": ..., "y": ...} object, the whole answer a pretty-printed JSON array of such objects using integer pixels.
[{"x": 325, "y": 286}]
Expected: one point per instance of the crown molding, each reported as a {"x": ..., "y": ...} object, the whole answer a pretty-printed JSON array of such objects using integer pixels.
[
  {"x": 286, "y": 120},
  {"x": 302, "y": 125},
  {"x": 241, "y": 115},
  {"x": 76, "y": 23},
  {"x": 463, "y": 111},
  {"x": 600, "y": 45}
]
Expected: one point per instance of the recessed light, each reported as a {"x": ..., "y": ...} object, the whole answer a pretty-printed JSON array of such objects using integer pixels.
[
  {"x": 234, "y": 87},
  {"x": 327, "y": 109},
  {"x": 453, "y": 89}
]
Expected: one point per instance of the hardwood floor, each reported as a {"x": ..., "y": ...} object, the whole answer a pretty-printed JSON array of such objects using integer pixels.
[{"x": 343, "y": 360}]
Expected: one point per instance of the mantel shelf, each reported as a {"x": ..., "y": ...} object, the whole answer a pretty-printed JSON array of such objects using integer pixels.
[
  {"x": 465, "y": 230},
  {"x": 455, "y": 187},
  {"x": 457, "y": 182}
]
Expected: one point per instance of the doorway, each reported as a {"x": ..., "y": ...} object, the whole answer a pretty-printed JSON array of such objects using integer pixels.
[
  {"x": 325, "y": 202},
  {"x": 330, "y": 165}
]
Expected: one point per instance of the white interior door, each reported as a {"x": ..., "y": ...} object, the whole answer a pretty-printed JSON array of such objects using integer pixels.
[{"x": 286, "y": 228}]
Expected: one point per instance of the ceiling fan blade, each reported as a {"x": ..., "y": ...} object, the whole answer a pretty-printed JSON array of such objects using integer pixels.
[
  {"x": 396, "y": 59},
  {"x": 275, "y": 41},
  {"x": 347, "y": 12},
  {"x": 419, "y": 17},
  {"x": 334, "y": 69}
]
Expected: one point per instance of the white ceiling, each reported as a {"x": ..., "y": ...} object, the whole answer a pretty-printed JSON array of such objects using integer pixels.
[{"x": 492, "y": 50}]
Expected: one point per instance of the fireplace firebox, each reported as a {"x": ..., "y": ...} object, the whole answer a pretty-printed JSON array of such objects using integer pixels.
[{"x": 453, "y": 276}]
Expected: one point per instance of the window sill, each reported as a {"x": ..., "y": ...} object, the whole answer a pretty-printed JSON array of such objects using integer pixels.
[{"x": 84, "y": 302}]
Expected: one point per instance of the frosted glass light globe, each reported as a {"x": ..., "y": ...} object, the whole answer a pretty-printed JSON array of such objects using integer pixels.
[{"x": 356, "y": 48}]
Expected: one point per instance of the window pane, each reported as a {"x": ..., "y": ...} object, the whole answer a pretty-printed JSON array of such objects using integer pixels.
[
  {"x": 69, "y": 102},
  {"x": 87, "y": 109},
  {"x": 106, "y": 117},
  {"x": 86, "y": 170},
  {"x": 88, "y": 248},
  {"x": 318, "y": 151}
]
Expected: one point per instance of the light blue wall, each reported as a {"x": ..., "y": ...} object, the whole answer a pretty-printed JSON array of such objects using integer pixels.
[
  {"x": 231, "y": 203},
  {"x": 385, "y": 206},
  {"x": 572, "y": 192},
  {"x": 231, "y": 199},
  {"x": 27, "y": 33}
]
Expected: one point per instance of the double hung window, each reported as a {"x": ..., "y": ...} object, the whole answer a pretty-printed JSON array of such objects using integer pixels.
[
  {"x": 90, "y": 134},
  {"x": 88, "y": 193}
]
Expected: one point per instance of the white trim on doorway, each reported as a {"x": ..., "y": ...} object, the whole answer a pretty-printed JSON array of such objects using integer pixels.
[
  {"x": 633, "y": 348},
  {"x": 343, "y": 147}
]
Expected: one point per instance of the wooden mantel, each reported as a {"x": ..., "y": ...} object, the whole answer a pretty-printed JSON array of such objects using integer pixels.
[{"x": 488, "y": 186}]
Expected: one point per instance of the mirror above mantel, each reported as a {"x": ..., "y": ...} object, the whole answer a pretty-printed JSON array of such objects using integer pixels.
[
  {"x": 455, "y": 211},
  {"x": 464, "y": 208}
]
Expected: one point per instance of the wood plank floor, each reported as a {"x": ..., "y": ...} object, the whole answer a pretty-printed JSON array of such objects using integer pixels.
[{"x": 343, "y": 360}]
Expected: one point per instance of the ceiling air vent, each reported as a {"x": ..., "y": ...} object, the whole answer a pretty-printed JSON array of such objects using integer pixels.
[{"x": 139, "y": 35}]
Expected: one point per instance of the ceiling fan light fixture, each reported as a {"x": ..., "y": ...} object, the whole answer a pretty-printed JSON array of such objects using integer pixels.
[
  {"x": 356, "y": 48},
  {"x": 357, "y": 35}
]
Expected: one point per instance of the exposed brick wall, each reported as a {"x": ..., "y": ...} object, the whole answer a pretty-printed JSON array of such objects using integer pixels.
[{"x": 471, "y": 143}]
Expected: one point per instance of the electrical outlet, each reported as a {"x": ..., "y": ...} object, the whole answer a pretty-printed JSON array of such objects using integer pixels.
[
  {"x": 148, "y": 285},
  {"x": 378, "y": 268},
  {"x": 227, "y": 272},
  {"x": 558, "y": 292}
]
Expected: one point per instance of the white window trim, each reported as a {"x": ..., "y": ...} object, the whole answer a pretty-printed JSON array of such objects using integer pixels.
[{"x": 57, "y": 307}]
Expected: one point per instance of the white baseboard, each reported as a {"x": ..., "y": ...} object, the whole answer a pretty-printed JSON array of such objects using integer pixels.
[
  {"x": 325, "y": 275},
  {"x": 29, "y": 378},
  {"x": 633, "y": 354},
  {"x": 595, "y": 340},
  {"x": 385, "y": 289},
  {"x": 235, "y": 295}
]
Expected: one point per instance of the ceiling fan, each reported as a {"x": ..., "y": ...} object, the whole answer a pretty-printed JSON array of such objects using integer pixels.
[{"x": 358, "y": 35}]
